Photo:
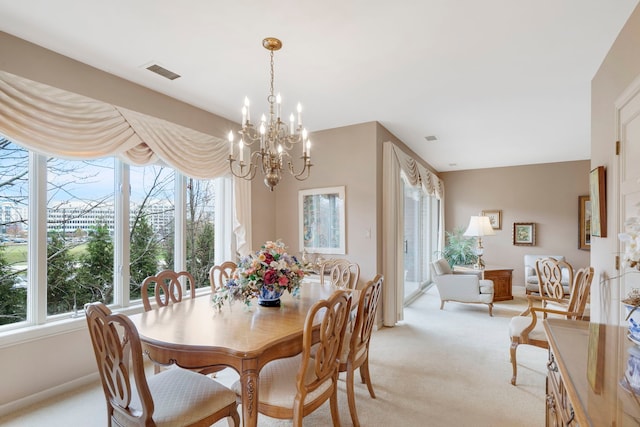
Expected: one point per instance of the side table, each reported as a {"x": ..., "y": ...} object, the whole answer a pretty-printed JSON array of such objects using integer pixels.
[{"x": 501, "y": 277}]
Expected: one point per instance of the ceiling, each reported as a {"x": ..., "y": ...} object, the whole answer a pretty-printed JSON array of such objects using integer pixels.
[{"x": 498, "y": 82}]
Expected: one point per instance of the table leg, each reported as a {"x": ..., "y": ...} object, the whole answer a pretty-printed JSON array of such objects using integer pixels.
[{"x": 249, "y": 382}]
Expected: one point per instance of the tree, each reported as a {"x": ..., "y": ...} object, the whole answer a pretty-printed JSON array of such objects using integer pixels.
[
  {"x": 95, "y": 275},
  {"x": 13, "y": 300},
  {"x": 145, "y": 250},
  {"x": 201, "y": 248},
  {"x": 61, "y": 286}
]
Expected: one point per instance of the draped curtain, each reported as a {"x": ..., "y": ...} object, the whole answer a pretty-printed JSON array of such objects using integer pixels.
[
  {"x": 59, "y": 123},
  {"x": 395, "y": 162}
]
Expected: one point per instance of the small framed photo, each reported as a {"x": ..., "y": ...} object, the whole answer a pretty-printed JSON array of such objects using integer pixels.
[
  {"x": 495, "y": 217},
  {"x": 524, "y": 233},
  {"x": 584, "y": 221}
]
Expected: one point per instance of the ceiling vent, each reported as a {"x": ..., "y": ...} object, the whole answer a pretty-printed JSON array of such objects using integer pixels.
[
  {"x": 163, "y": 72},
  {"x": 431, "y": 138}
]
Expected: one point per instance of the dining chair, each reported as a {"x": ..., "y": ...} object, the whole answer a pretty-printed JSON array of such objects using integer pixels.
[
  {"x": 345, "y": 275},
  {"x": 555, "y": 279},
  {"x": 167, "y": 288},
  {"x": 525, "y": 328},
  {"x": 293, "y": 387},
  {"x": 220, "y": 274},
  {"x": 174, "y": 397},
  {"x": 355, "y": 351},
  {"x": 324, "y": 269}
]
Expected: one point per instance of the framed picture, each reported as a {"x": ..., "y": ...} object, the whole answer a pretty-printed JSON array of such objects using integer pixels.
[
  {"x": 322, "y": 220},
  {"x": 495, "y": 217},
  {"x": 524, "y": 233},
  {"x": 598, "y": 202},
  {"x": 584, "y": 222}
]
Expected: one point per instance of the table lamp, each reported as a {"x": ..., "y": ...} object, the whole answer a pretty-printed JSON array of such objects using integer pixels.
[{"x": 479, "y": 226}]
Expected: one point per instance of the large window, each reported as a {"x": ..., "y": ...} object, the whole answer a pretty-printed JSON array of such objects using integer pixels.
[{"x": 93, "y": 227}]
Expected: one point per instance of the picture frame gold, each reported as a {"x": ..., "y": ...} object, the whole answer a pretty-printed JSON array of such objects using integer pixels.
[
  {"x": 584, "y": 223},
  {"x": 598, "y": 199},
  {"x": 524, "y": 233},
  {"x": 495, "y": 217}
]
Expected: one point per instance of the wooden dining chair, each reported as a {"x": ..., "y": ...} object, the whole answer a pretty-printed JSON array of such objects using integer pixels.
[
  {"x": 220, "y": 274},
  {"x": 167, "y": 288},
  {"x": 555, "y": 278},
  {"x": 293, "y": 387},
  {"x": 355, "y": 351},
  {"x": 345, "y": 275},
  {"x": 324, "y": 269},
  {"x": 174, "y": 397},
  {"x": 526, "y": 329}
]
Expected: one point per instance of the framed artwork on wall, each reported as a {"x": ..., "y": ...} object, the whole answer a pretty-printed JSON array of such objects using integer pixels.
[
  {"x": 524, "y": 233},
  {"x": 584, "y": 222},
  {"x": 322, "y": 220},
  {"x": 598, "y": 202},
  {"x": 495, "y": 217}
]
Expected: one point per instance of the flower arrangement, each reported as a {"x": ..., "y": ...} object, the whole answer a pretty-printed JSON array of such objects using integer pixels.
[
  {"x": 631, "y": 238},
  {"x": 269, "y": 270}
]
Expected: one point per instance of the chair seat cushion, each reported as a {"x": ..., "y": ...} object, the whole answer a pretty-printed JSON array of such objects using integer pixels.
[
  {"x": 520, "y": 323},
  {"x": 182, "y": 397},
  {"x": 278, "y": 382}
]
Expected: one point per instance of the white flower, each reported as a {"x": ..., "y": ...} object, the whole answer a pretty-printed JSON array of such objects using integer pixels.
[{"x": 631, "y": 239}]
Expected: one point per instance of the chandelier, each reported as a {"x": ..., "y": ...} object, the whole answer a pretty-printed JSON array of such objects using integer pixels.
[{"x": 273, "y": 139}]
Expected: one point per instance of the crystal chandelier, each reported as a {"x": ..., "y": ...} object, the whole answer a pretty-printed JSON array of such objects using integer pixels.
[{"x": 273, "y": 139}]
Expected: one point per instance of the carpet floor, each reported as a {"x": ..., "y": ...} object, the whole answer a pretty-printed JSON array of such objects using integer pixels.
[{"x": 435, "y": 368}]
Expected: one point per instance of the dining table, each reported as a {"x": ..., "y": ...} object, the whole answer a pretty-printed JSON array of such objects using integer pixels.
[{"x": 194, "y": 334}]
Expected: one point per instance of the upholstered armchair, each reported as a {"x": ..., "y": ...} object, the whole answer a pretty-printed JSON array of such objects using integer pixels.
[{"x": 461, "y": 287}]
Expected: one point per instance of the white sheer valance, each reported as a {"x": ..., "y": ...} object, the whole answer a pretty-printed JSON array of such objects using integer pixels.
[
  {"x": 419, "y": 175},
  {"x": 59, "y": 123}
]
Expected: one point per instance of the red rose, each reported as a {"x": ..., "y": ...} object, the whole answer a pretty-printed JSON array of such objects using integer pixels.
[{"x": 270, "y": 277}]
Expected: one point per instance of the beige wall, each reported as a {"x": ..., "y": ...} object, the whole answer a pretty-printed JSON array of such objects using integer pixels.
[
  {"x": 619, "y": 68},
  {"x": 546, "y": 194}
]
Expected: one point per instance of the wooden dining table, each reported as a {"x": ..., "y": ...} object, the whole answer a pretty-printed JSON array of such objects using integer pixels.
[{"x": 194, "y": 334}]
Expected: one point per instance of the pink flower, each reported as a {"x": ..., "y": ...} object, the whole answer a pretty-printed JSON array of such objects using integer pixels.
[{"x": 283, "y": 280}]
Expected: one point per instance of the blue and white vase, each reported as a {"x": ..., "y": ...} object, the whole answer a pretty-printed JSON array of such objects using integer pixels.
[
  {"x": 633, "y": 320},
  {"x": 269, "y": 297}
]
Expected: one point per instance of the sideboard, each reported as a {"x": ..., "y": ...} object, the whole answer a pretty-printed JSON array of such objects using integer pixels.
[{"x": 580, "y": 392}]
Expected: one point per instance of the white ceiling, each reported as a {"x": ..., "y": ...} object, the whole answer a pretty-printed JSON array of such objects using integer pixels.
[{"x": 499, "y": 82}]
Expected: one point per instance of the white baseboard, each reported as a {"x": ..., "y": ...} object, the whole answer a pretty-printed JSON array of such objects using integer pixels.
[{"x": 33, "y": 399}]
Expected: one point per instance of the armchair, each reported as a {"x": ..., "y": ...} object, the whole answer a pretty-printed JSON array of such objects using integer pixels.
[{"x": 454, "y": 286}]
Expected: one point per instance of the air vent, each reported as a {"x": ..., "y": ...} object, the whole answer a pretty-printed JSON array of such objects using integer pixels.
[
  {"x": 431, "y": 138},
  {"x": 163, "y": 72}
]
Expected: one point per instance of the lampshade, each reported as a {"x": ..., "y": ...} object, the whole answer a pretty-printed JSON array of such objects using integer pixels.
[{"x": 479, "y": 226}]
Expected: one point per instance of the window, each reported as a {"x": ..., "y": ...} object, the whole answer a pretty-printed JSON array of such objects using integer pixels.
[{"x": 92, "y": 228}]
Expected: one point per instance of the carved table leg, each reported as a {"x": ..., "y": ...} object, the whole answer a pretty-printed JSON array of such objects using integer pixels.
[{"x": 249, "y": 382}]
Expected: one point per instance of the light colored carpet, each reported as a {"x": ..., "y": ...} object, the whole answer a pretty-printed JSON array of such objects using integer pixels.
[{"x": 436, "y": 368}]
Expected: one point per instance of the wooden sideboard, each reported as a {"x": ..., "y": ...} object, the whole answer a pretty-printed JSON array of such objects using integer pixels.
[
  {"x": 501, "y": 277},
  {"x": 572, "y": 399}
]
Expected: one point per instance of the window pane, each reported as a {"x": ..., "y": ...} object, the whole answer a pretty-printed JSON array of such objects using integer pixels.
[
  {"x": 151, "y": 223},
  {"x": 200, "y": 229},
  {"x": 80, "y": 225},
  {"x": 14, "y": 192}
]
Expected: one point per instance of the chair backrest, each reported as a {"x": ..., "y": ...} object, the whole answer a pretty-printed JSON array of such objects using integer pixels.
[
  {"x": 365, "y": 316},
  {"x": 220, "y": 274},
  {"x": 580, "y": 292},
  {"x": 345, "y": 275},
  {"x": 118, "y": 352},
  {"x": 550, "y": 273},
  {"x": 440, "y": 267},
  {"x": 167, "y": 288},
  {"x": 326, "y": 267},
  {"x": 325, "y": 355},
  {"x": 530, "y": 263}
]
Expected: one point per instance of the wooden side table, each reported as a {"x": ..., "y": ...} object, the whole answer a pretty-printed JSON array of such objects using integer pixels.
[{"x": 500, "y": 276}]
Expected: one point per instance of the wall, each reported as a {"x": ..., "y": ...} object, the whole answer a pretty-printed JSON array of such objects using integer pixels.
[
  {"x": 619, "y": 68},
  {"x": 546, "y": 194}
]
